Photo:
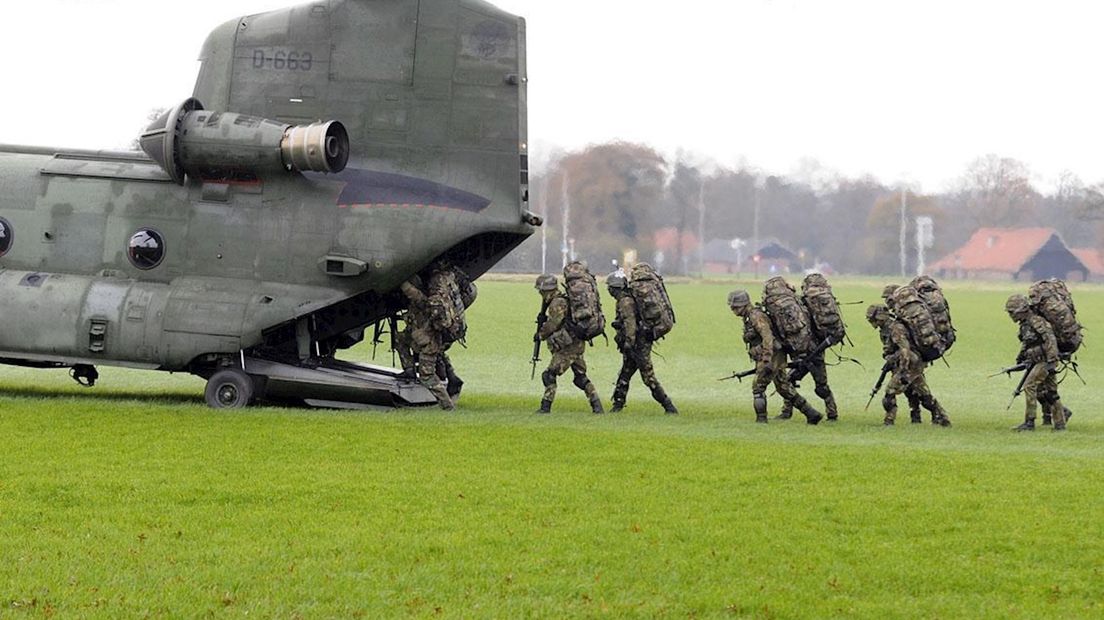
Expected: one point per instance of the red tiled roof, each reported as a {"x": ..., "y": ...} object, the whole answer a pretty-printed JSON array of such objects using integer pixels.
[
  {"x": 1092, "y": 258},
  {"x": 997, "y": 249}
]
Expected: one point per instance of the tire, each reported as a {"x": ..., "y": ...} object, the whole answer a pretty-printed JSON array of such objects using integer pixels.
[{"x": 229, "y": 388}]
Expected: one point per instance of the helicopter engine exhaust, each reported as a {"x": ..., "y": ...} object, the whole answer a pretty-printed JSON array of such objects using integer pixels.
[{"x": 191, "y": 141}]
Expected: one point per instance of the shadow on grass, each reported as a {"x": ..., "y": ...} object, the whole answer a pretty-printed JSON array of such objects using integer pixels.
[{"x": 47, "y": 393}]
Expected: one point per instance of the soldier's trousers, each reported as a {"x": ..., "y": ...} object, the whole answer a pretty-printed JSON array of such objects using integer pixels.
[
  {"x": 1041, "y": 386},
  {"x": 912, "y": 383},
  {"x": 775, "y": 372},
  {"x": 403, "y": 343},
  {"x": 428, "y": 347},
  {"x": 634, "y": 359},
  {"x": 819, "y": 370},
  {"x": 571, "y": 358}
]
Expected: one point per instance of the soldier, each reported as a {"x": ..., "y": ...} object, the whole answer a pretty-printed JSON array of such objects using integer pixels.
[
  {"x": 906, "y": 365},
  {"x": 910, "y": 396},
  {"x": 635, "y": 345},
  {"x": 769, "y": 358},
  {"x": 425, "y": 341},
  {"x": 1038, "y": 349},
  {"x": 887, "y": 295},
  {"x": 567, "y": 350},
  {"x": 467, "y": 292},
  {"x": 814, "y": 364}
]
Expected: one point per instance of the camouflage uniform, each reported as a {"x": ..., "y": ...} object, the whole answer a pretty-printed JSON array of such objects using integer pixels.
[
  {"x": 426, "y": 342},
  {"x": 770, "y": 360},
  {"x": 907, "y": 368},
  {"x": 1038, "y": 349},
  {"x": 635, "y": 345},
  {"x": 567, "y": 350},
  {"x": 816, "y": 367},
  {"x": 910, "y": 395}
]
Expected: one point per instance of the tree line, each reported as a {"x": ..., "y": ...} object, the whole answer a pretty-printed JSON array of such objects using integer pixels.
[{"x": 614, "y": 197}]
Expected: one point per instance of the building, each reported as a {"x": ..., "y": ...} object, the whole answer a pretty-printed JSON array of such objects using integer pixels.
[
  {"x": 722, "y": 256},
  {"x": 1093, "y": 259},
  {"x": 1025, "y": 254}
]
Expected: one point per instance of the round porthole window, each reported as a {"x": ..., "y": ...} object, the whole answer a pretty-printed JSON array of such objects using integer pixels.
[
  {"x": 146, "y": 249},
  {"x": 6, "y": 236}
]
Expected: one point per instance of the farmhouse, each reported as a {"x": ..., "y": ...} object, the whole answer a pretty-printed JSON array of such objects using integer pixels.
[{"x": 1012, "y": 254}]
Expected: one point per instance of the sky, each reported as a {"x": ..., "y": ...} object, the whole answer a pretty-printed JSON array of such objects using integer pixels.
[{"x": 906, "y": 91}]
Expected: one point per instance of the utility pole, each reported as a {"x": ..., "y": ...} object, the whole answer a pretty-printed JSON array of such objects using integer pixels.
[
  {"x": 544, "y": 228},
  {"x": 904, "y": 229},
  {"x": 701, "y": 230},
  {"x": 755, "y": 220},
  {"x": 565, "y": 213}
]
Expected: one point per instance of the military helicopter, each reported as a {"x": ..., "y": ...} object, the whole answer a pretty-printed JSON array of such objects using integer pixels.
[{"x": 329, "y": 152}]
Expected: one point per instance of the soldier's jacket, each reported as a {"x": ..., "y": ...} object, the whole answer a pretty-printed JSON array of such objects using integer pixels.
[
  {"x": 626, "y": 323},
  {"x": 554, "y": 331},
  {"x": 418, "y": 305},
  {"x": 1038, "y": 343},
  {"x": 758, "y": 336},
  {"x": 896, "y": 347}
]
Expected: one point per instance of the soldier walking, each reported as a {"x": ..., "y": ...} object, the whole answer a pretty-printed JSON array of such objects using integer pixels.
[
  {"x": 769, "y": 358},
  {"x": 1039, "y": 350},
  {"x": 425, "y": 342},
  {"x": 827, "y": 326},
  {"x": 635, "y": 344},
  {"x": 567, "y": 349},
  {"x": 906, "y": 365}
]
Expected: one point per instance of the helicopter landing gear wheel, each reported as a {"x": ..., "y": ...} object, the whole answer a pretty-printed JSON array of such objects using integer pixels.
[{"x": 229, "y": 388}]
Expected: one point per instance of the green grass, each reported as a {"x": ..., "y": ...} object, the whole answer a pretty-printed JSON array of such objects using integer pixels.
[{"x": 133, "y": 499}]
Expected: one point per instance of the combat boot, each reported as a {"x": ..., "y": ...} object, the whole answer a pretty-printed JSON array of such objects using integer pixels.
[
  {"x": 1047, "y": 419},
  {"x": 669, "y": 407},
  {"x": 812, "y": 416},
  {"x": 1061, "y": 426},
  {"x": 408, "y": 374},
  {"x": 1028, "y": 425},
  {"x": 616, "y": 407},
  {"x": 914, "y": 416},
  {"x": 545, "y": 407},
  {"x": 596, "y": 406},
  {"x": 786, "y": 413}
]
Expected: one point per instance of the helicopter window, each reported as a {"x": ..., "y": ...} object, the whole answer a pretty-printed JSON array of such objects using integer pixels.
[
  {"x": 6, "y": 237},
  {"x": 146, "y": 249}
]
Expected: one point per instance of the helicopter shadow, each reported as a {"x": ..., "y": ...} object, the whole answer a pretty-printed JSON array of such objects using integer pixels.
[{"x": 48, "y": 394}]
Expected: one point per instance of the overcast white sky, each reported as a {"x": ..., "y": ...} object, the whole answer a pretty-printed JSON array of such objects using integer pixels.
[{"x": 902, "y": 90}]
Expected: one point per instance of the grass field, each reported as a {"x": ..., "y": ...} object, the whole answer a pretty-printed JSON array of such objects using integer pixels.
[{"x": 134, "y": 500}]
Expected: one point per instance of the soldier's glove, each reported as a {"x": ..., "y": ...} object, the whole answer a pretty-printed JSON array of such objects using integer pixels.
[
  {"x": 536, "y": 338},
  {"x": 768, "y": 368},
  {"x": 1052, "y": 367}
]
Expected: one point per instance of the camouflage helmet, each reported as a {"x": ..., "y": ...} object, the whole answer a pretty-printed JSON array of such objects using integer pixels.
[
  {"x": 1017, "y": 305},
  {"x": 546, "y": 282},
  {"x": 876, "y": 313},
  {"x": 617, "y": 281},
  {"x": 738, "y": 299},
  {"x": 889, "y": 290}
]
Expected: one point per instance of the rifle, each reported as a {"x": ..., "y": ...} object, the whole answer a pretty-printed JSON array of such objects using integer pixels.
[
  {"x": 393, "y": 329},
  {"x": 1020, "y": 385},
  {"x": 1011, "y": 369},
  {"x": 541, "y": 319},
  {"x": 802, "y": 366},
  {"x": 378, "y": 332},
  {"x": 739, "y": 376},
  {"x": 878, "y": 386}
]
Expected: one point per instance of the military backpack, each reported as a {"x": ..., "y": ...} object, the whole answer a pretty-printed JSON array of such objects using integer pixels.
[
  {"x": 824, "y": 310},
  {"x": 586, "y": 321},
  {"x": 653, "y": 305},
  {"x": 940, "y": 310},
  {"x": 911, "y": 310},
  {"x": 446, "y": 306},
  {"x": 790, "y": 319},
  {"x": 1053, "y": 301}
]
